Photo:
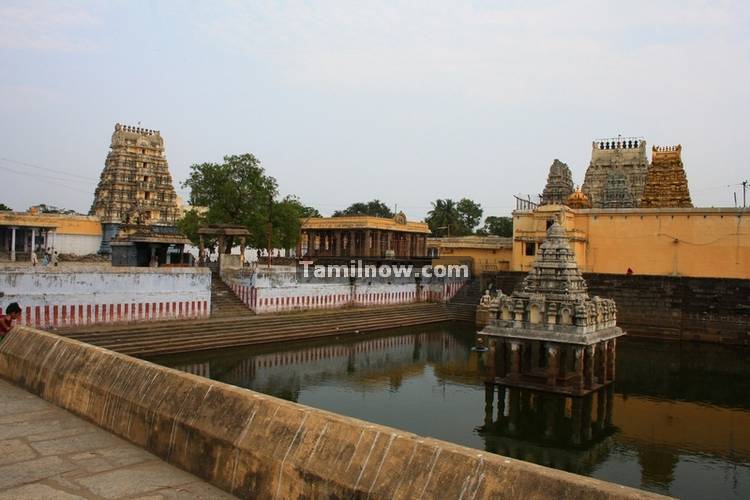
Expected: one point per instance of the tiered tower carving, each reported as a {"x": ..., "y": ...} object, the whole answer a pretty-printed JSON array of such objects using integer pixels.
[
  {"x": 559, "y": 184},
  {"x": 135, "y": 186},
  {"x": 666, "y": 182},
  {"x": 621, "y": 157}
]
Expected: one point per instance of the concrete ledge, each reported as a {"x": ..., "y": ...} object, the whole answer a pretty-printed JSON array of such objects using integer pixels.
[{"x": 257, "y": 446}]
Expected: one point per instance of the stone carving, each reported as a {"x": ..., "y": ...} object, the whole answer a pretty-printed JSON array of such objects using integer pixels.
[
  {"x": 135, "y": 182},
  {"x": 624, "y": 155},
  {"x": 616, "y": 192},
  {"x": 559, "y": 184},
  {"x": 666, "y": 182},
  {"x": 551, "y": 316}
]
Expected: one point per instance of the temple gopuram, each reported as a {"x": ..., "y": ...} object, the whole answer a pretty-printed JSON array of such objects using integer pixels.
[
  {"x": 559, "y": 184},
  {"x": 135, "y": 179},
  {"x": 617, "y": 172},
  {"x": 666, "y": 182},
  {"x": 549, "y": 334},
  {"x": 362, "y": 236}
]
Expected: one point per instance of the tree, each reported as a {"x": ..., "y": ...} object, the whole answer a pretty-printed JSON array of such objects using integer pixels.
[
  {"x": 374, "y": 208},
  {"x": 448, "y": 218},
  {"x": 237, "y": 191},
  {"x": 470, "y": 214},
  {"x": 189, "y": 225},
  {"x": 499, "y": 226},
  {"x": 5, "y": 208},
  {"x": 287, "y": 218}
]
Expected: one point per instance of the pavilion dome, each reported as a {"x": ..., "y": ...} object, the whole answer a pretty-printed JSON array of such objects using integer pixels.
[{"x": 578, "y": 199}]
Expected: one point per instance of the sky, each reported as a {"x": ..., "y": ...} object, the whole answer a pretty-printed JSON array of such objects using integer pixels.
[{"x": 346, "y": 101}]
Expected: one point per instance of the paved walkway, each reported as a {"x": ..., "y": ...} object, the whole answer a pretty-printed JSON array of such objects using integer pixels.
[{"x": 48, "y": 453}]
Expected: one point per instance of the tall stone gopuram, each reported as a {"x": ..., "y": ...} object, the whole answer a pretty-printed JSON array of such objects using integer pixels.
[
  {"x": 135, "y": 186},
  {"x": 559, "y": 184},
  {"x": 666, "y": 182},
  {"x": 611, "y": 161},
  {"x": 549, "y": 334}
]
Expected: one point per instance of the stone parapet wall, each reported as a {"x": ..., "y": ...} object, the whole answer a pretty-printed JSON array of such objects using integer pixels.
[
  {"x": 258, "y": 446},
  {"x": 272, "y": 296},
  {"x": 59, "y": 297},
  {"x": 668, "y": 307}
]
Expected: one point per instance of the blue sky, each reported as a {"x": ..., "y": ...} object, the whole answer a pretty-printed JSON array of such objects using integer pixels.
[{"x": 348, "y": 101}]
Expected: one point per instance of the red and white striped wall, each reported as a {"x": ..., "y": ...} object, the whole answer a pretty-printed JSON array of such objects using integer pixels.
[
  {"x": 269, "y": 300},
  {"x": 61, "y": 315}
]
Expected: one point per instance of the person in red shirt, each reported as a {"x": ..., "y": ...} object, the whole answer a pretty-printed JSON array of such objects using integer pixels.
[{"x": 12, "y": 313}]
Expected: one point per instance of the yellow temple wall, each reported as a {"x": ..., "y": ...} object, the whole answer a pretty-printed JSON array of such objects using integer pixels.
[
  {"x": 486, "y": 253},
  {"x": 699, "y": 242}
]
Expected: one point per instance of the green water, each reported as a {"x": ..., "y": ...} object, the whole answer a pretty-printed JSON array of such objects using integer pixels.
[{"x": 677, "y": 420}]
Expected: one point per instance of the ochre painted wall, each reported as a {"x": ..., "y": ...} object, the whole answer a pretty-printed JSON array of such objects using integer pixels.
[{"x": 701, "y": 242}]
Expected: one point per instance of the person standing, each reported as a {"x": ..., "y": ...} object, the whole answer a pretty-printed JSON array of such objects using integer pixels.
[
  {"x": 34, "y": 259},
  {"x": 12, "y": 313}
]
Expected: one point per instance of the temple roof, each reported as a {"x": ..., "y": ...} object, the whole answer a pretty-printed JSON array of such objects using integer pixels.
[{"x": 398, "y": 224}]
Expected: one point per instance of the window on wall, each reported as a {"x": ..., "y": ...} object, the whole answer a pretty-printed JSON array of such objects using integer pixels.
[{"x": 530, "y": 249}]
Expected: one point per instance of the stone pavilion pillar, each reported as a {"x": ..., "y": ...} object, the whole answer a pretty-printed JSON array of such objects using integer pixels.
[
  {"x": 578, "y": 366},
  {"x": 13, "y": 244},
  {"x": 352, "y": 247},
  {"x": 611, "y": 358},
  {"x": 242, "y": 250},
  {"x": 588, "y": 366},
  {"x": 601, "y": 362},
  {"x": 501, "y": 367},
  {"x": 33, "y": 239},
  {"x": 367, "y": 243},
  {"x": 515, "y": 360},
  {"x": 553, "y": 367}
]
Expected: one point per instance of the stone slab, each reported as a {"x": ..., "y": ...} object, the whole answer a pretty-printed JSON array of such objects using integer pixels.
[{"x": 48, "y": 453}]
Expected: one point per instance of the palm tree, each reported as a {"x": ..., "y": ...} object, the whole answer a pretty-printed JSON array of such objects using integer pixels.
[{"x": 444, "y": 216}]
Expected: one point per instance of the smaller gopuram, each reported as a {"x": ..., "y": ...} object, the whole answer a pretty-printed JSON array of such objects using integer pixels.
[
  {"x": 559, "y": 184},
  {"x": 623, "y": 157},
  {"x": 549, "y": 334},
  {"x": 666, "y": 182}
]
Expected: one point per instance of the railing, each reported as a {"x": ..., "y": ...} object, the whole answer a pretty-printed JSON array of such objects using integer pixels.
[{"x": 525, "y": 205}]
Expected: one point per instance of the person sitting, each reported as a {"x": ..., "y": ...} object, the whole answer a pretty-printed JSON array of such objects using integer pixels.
[{"x": 12, "y": 313}]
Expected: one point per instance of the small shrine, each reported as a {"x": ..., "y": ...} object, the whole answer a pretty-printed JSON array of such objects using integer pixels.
[{"x": 549, "y": 334}]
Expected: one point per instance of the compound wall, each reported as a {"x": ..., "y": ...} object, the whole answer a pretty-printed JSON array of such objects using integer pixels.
[{"x": 58, "y": 297}]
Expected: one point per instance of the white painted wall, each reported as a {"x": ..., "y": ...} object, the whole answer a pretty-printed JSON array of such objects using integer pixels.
[
  {"x": 77, "y": 244},
  {"x": 280, "y": 290},
  {"x": 53, "y": 297}
]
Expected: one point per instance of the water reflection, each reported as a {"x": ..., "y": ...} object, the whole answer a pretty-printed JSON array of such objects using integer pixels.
[
  {"x": 676, "y": 421},
  {"x": 569, "y": 433}
]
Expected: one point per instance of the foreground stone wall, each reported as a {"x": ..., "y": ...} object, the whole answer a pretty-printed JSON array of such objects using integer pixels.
[
  {"x": 257, "y": 446},
  {"x": 57, "y": 297},
  {"x": 668, "y": 307}
]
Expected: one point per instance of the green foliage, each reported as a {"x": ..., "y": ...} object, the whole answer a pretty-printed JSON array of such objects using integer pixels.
[
  {"x": 5, "y": 208},
  {"x": 237, "y": 191},
  {"x": 287, "y": 217},
  {"x": 499, "y": 226},
  {"x": 448, "y": 218},
  {"x": 374, "y": 208},
  {"x": 470, "y": 214},
  {"x": 189, "y": 225}
]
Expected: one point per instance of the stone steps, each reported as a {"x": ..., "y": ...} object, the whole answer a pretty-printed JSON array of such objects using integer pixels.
[{"x": 186, "y": 336}]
